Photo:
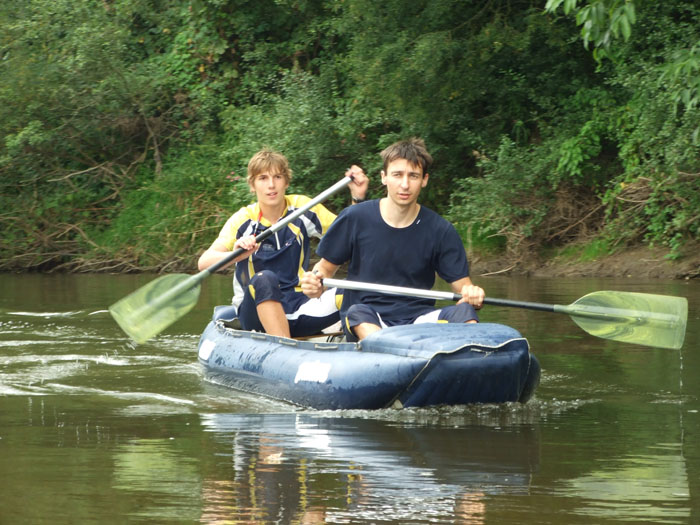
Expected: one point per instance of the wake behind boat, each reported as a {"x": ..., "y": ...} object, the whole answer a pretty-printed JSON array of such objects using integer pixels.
[{"x": 402, "y": 366}]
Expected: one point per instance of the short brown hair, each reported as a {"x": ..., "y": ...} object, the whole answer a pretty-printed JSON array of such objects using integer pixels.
[
  {"x": 413, "y": 150},
  {"x": 268, "y": 160}
]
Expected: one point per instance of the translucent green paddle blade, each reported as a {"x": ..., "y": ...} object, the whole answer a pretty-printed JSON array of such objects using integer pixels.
[
  {"x": 639, "y": 318},
  {"x": 155, "y": 306}
]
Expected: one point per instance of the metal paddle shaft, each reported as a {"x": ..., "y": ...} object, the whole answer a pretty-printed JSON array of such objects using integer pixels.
[
  {"x": 639, "y": 318},
  {"x": 155, "y": 306},
  {"x": 390, "y": 290},
  {"x": 426, "y": 294}
]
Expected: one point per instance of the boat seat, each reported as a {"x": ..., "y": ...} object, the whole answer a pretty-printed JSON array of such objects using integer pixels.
[
  {"x": 329, "y": 336},
  {"x": 228, "y": 315}
]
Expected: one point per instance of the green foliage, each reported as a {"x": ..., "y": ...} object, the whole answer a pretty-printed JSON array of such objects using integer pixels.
[
  {"x": 184, "y": 208},
  {"x": 126, "y": 125},
  {"x": 656, "y": 196},
  {"x": 589, "y": 251},
  {"x": 591, "y": 124},
  {"x": 469, "y": 76},
  {"x": 509, "y": 201},
  {"x": 314, "y": 129},
  {"x": 601, "y": 21},
  {"x": 681, "y": 76},
  {"x": 596, "y": 249}
]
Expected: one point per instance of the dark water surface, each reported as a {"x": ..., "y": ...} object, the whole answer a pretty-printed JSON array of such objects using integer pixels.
[{"x": 95, "y": 429}]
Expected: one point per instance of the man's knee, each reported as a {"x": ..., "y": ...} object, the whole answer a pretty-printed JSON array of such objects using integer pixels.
[
  {"x": 459, "y": 313},
  {"x": 264, "y": 278},
  {"x": 360, "y": 314},
  {"x": 264, "y": 286}
]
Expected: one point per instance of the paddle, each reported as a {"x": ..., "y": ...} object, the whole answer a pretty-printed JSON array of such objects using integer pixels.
[
  {"x": 156, "y": 305},
  {"x": 639, "y": 318}
]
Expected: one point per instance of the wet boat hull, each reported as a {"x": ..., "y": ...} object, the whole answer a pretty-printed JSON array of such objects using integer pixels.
[{"x": 406, "y": 366}]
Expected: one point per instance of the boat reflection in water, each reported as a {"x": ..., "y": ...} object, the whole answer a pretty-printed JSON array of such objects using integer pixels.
[{"x": 311, "y": 468}]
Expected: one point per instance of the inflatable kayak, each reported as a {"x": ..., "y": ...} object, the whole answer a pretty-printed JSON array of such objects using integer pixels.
[{"x": 402, "y": 366}]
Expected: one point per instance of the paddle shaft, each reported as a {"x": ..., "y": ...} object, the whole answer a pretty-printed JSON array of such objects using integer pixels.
[
  {"x": 429, "y": 294},
  {"x": 646, "y": 319},
  {"x": 155, "y": 306},
  {"x": 451, "y": 296},
  {"x": 281, "y": 224},
  {"x": 194, "y": 280}
]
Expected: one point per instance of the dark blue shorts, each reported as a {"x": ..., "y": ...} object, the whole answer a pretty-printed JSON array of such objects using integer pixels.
[
  {"x": 363, "y": 313},
  {"x": 305, "y": 316}
]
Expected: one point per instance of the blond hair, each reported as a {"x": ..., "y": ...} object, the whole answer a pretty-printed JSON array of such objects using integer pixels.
[{"x": 267, "y": 160}]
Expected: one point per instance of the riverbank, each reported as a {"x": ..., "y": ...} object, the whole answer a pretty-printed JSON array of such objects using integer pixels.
[{"x": 641, "y": 261}]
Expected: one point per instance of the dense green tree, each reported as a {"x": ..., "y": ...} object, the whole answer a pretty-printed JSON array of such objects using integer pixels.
[
  {"x": 619, "y": 163},
  {"x": 82, "y": 105},
  {"x": 126, "y": 125}
]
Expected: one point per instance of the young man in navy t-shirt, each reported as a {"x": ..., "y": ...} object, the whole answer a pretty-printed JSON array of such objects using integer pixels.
[{"x": 396, "y": 241}]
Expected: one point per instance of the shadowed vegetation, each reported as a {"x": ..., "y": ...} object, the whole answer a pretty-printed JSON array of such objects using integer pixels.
[{"x": 126, "y": 125}]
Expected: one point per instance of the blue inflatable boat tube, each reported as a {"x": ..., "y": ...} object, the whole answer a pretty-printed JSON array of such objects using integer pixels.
[{"x": 403, "y": 366}]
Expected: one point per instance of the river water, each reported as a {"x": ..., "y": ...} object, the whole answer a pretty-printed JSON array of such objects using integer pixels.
[{"x": 96, "y": 429}]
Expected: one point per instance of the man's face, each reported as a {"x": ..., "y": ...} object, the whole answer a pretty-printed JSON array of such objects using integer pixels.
[
  {"x": 404, "y": 181},
  {"x": 269, "y": 188}
]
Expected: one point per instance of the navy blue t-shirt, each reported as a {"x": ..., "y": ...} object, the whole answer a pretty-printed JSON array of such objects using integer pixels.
[{"x": 379, "y": 253}]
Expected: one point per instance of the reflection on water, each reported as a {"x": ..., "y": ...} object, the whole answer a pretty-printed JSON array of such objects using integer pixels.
[
  {"x": 645, "y": 488},
  {"x": 94, "y": 428},
  {"x": 379, "y": 470},
  {"x": 164, "y": 481}
]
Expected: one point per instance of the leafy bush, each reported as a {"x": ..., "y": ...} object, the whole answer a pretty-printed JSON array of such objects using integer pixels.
[
  {"x": 313, "y": 129},
  {"x": 120, "y": 121},
  {"x": 515, "y": 199}
]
